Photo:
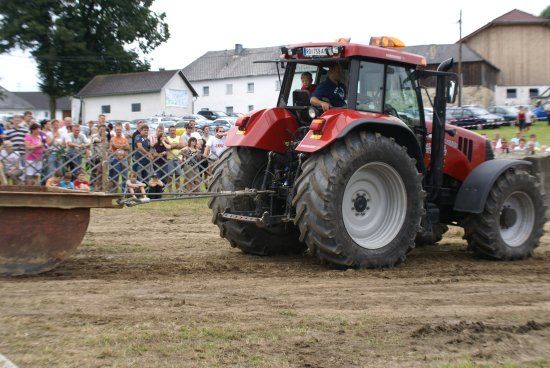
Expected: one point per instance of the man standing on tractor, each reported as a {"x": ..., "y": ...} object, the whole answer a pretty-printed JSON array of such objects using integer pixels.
[{"x": 331, "y": 92}]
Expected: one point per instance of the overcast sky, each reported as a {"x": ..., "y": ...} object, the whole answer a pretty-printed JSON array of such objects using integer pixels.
[{"x": 200, "y": 26}]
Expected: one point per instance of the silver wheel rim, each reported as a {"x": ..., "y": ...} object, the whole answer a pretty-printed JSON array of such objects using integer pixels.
[
  {"x": 382, "y": 189},
  {"x": 519, "y": 232}
]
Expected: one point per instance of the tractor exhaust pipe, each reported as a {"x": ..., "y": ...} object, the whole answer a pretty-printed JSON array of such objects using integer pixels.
[{"x": 438, "y": 129}]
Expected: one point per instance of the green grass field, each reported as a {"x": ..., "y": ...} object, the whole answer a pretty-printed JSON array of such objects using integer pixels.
[{"x": 540, "y": 128}]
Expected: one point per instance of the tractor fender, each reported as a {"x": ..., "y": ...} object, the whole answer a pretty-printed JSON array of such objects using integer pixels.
[
  {"x": 268, "y": 129},
  {"x": 339, "y": 127},
  {"x": 473, "y": 192}
]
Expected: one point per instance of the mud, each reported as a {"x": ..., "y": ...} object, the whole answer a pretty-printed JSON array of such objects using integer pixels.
[{"x": 156, "y": 286}]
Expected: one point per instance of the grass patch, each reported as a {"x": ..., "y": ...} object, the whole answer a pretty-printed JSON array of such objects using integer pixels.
[{"x": 540, "y": 128}]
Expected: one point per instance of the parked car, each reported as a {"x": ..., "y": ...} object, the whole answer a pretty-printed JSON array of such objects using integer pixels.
[
  {"x": 226, "y": 122},
  {"x": 540, "y": 114},
  {"x": 199, "y": 119},
  {"x": 212, "y": 115},
  {"x": 473, "y": 117},
  {"x": 508, "y": 113}
]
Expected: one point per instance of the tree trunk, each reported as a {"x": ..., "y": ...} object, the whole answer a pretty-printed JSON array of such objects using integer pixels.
[{"x": 52, "y": 107}]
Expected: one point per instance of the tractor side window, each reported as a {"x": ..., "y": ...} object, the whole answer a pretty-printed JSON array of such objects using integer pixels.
[
  {"x": 401, "y": 99},
  {"x": 370, "y": 86}
]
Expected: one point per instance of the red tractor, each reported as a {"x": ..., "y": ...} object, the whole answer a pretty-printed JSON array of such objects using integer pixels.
[{"x": 361, "y": 184}]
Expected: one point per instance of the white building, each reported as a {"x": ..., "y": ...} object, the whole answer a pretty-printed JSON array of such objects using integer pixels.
[
  {"x": 519, "y": 95},
  {"x": 230, "y": 81},
  {"x": 133, "y": 96},
  {"x": 16, "y": 103}
]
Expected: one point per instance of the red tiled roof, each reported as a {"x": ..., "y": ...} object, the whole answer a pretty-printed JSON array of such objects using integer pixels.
[
  {"x": 513, "y": 17},
  {"x": 518, "y": 16}
]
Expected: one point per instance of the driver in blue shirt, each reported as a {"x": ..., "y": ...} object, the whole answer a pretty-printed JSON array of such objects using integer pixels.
[{"x": 331, "y": 92}]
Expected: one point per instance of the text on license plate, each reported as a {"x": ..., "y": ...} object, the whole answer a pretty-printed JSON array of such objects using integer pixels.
[{"x": 315, "y": 51}]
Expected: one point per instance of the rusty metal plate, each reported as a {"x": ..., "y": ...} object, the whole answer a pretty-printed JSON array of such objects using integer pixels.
[
  {"x": 34, "y": 240},
  {"x": 40, "y": 227}
]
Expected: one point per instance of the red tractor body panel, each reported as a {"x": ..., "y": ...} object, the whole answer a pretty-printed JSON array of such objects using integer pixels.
[
  {"x": 272, "y": 129},
  {"x": 268, "y": 129},
  {"x": 463, "y": 152},
  {"x": 336, "y": 120}
]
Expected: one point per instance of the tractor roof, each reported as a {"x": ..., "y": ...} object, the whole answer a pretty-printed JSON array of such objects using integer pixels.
[{"x": 354, "y": 49}]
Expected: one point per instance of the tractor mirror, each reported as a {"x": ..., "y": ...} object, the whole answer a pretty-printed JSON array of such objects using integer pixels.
[{"x": 451, "y": 91}]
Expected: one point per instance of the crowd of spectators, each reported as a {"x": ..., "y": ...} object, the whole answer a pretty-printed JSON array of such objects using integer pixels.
[
  {"x": 107, "y": 157},
  {"x": 521, "y": 143}
]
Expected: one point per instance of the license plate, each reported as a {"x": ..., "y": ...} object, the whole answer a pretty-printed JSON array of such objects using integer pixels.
[{"x": 315, "y": 51}]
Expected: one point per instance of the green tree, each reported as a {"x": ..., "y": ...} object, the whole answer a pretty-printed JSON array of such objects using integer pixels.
[
  {"x": 74, "y": 40},
  {"x": 546, "y": 13}
]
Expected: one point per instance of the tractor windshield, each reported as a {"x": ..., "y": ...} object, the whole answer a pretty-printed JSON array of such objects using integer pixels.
[{"x": 401, "y": 95}]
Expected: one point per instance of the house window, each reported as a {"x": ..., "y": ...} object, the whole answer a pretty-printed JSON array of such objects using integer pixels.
[
  {"x": 228, "y": 89},
  {"x": 229, "y": 110},
  {"x": 136, "y": 107},
  {"x": 250, "y": 107},
  {"x": 277, "y": 85},
  {"x": 533, "y": 92},
  {"x": 206, "y": 91},
  {"x": 105, "y": 109},
  {"x": 511, "y": 93},
  {"x": 250, "y": 88}
]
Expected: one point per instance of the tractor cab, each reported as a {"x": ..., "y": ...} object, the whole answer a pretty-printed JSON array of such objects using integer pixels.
[{"x": 374, "y": 82}]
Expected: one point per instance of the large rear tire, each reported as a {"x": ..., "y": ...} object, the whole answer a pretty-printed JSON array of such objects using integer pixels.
[
  {"x": 360, "y": 202},
  {"x": 512, "y": 221},
  {"x": 237, "y": 169}
]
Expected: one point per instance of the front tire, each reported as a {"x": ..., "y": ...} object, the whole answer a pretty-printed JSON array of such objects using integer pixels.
[
  {"x": 360, "y": 202},
  {"x": 239, "y": 168},
  {"x": 512, "y": 221}
]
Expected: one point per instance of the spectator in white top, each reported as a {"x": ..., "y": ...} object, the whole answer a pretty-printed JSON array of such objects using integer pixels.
[
  {"x": 67, "y": 127},
  {"x": 216, "y": 144},
  {"x": 190, "y": 132},
  {"x": 77, "y": 145}
]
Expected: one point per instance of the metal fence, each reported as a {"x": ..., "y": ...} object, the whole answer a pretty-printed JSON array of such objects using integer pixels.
[{"x": 109, "y": 171}]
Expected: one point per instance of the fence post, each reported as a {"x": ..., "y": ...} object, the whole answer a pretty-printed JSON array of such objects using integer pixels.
[{"x": 105, "y": 167}]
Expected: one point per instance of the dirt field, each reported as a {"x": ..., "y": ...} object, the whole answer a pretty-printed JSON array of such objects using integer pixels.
[{"x": 155, "y": 286}]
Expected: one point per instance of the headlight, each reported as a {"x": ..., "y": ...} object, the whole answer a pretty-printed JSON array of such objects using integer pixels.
[{"x": 312, "y": 112}]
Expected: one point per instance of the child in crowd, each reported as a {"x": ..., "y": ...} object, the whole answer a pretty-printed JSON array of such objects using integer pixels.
[
  {"x": 11, "y": 163},
  {"x": 155, "y": 188},
  {"x": 134, "y": 185},
  {"x": 55, "y": 179},
  {"x": 533, "y": 140},
  {"x": 521, "y": 146},
  {"x": 505, "y": 148},
  {"x": 81, "y": 183},
  {"x": 67, "y": 181}
]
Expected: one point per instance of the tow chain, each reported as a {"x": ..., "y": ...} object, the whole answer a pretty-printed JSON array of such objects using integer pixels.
[{"x": 247, "y": 192}]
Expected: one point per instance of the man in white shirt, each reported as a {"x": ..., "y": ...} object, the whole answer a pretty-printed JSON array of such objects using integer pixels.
[
  {"x": 216, "y": 145},
  {"x": 190, "y": 132},
  {"x": 67, "y": 127}
]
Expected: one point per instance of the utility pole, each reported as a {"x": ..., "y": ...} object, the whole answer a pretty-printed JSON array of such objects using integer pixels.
[{"x": 460, "y": 60}]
